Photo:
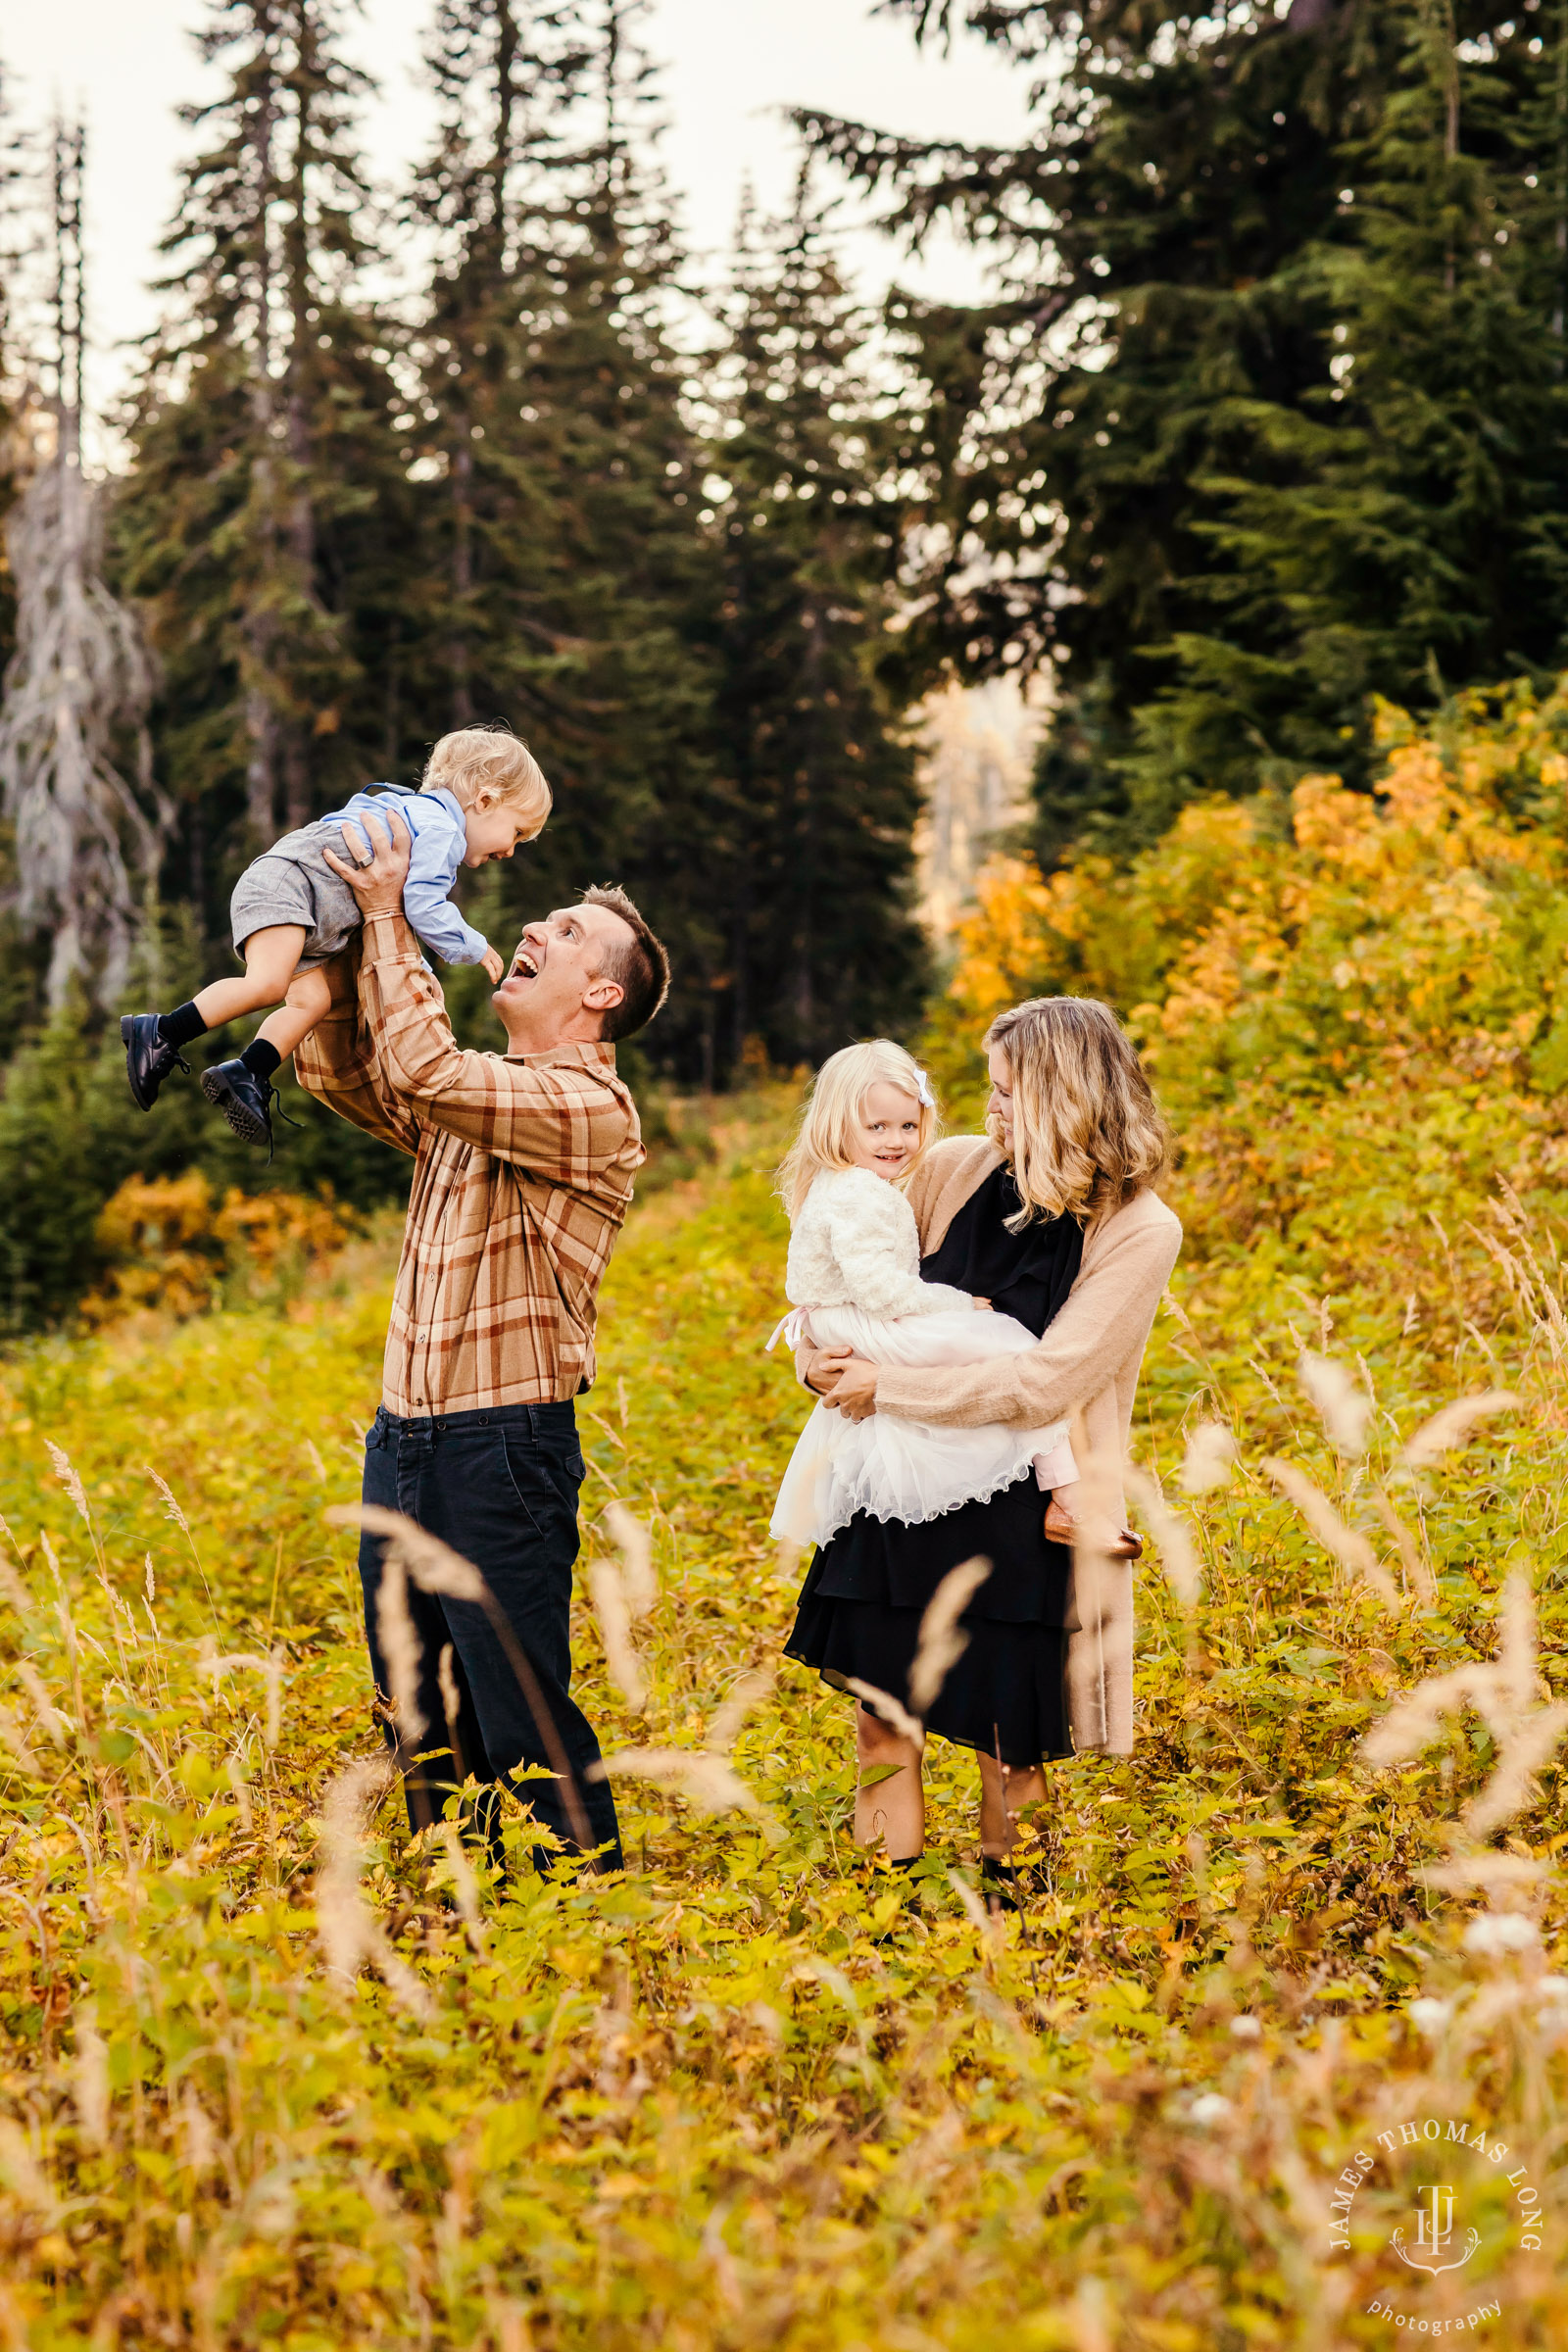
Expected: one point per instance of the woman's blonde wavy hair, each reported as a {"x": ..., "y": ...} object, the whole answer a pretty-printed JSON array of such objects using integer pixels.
[
  {"x": 1086, "y": 1135},
  {"x": 833, "y": 1105}
]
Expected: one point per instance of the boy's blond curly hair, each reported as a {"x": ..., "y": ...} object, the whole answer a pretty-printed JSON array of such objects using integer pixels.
[{"x": 474, "y": 759}]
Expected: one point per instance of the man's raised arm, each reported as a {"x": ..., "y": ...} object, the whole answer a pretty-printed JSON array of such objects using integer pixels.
[
  {"x": 338, "y": 1063},
  {"x": 565, "y": 1120}
]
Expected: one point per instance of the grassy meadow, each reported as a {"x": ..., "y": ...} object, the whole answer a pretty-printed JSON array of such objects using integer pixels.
[{"x": 274, "y": 2073}]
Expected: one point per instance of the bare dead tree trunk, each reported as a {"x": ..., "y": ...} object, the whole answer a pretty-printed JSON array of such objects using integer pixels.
[{"x": 87, "y": 835}]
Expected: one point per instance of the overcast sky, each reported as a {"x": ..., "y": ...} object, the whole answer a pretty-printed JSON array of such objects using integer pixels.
[{"x": 731, "y": 66}]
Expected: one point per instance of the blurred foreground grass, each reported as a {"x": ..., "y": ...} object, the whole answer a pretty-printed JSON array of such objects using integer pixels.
[{"x": 760, "y": 2092}]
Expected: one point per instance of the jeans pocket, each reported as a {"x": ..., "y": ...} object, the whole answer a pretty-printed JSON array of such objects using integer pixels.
[
  {"x": 545, "y": 1481},
  {"x": 525, "y": 1478}
]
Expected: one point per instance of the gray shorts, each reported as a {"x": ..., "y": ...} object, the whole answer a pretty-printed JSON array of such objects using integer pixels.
[{"x": 294, "y": 884}]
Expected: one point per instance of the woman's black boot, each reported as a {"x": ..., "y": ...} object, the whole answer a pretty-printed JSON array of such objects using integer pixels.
[{"x": 999, "y": 1884}]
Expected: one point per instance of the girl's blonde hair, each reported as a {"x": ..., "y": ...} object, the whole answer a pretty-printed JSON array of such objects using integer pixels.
[
  {"x": 1086, "y": 1135},
  {"x": 833, "y": 1105},
  {"x": 476, "y": 760}
]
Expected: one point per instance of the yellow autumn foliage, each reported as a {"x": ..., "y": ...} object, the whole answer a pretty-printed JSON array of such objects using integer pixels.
[
  {"x": 171, "y": 1246},
  {"x": 1354, "y": 1004},
  {"x": 273, "y": 2072}
]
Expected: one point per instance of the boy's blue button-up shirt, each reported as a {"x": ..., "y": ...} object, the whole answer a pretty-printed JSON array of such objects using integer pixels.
[{"x": 440, "y": 837}]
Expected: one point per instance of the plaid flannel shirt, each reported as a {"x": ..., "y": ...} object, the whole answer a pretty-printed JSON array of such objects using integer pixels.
[{"x": 522, "y": 1177}]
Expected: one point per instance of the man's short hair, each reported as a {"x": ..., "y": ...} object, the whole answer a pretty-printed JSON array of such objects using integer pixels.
[{"x": 640, "y": 965}]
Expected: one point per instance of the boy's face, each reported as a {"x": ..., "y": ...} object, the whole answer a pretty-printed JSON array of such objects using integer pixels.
[
  {"x": 557, "y": 977},
  {"x": 493, "y": 829}
]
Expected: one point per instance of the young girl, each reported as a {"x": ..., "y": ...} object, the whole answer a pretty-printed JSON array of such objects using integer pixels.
[
  {"x": 482, "y": 794},
  {"x": 854, "y": 1278}
]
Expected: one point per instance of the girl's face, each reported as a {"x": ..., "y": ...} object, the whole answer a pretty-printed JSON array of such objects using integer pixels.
[
  {"x": 886, "y": 1135},
  {"x": 999, "y": 1105}
]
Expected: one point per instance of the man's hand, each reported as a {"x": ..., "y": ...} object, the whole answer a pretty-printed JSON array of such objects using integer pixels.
[
  {"x": 493, "y": 968},
  {"x": 845, "y": 1381},
  {"x": 378, "y": 883}
]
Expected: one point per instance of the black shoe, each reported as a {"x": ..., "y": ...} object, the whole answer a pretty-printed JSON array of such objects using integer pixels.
[
  {"x": 999, "y": 1884},
  {"x": 245, "y": 1100},
  {"x": 149, "y": 1060}
]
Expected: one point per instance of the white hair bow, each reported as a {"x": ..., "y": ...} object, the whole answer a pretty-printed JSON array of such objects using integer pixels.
[{"x": 923, "y": 1087}]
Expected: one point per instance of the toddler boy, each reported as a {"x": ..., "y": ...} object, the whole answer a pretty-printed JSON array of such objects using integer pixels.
[{"x": 482, "y": 793}]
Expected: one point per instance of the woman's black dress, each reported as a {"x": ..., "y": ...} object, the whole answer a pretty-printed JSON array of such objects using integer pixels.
[{"x": 866, "y": 1590}]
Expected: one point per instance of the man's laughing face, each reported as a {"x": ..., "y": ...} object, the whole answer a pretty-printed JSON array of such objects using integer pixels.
[{"x": 558, "y": 973}]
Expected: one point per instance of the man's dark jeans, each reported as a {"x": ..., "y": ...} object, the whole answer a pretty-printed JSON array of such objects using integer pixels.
[{"x": 500, "y": 1488}]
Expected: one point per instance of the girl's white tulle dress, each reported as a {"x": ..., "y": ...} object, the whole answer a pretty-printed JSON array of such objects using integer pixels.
[{"x": 854, "y": 1280}]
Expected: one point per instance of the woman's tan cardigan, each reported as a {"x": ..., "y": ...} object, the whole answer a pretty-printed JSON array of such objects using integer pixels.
[{"x": 1086, "y": 1367}]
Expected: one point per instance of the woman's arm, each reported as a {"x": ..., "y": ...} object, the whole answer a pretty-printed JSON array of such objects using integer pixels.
[
  {"x": 1105, "y": 1320},
  {"x": 845, "y": 1381}
]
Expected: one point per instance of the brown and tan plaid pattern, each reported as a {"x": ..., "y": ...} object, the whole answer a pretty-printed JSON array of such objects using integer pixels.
[{"x": 522, "y": 1178}]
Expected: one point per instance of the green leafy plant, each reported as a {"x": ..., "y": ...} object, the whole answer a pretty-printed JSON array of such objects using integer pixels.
[{"x": 275, "y": 2072}]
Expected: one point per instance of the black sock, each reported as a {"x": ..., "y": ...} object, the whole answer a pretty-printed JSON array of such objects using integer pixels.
[
  {"x": 181, "y": 1027},
  {"x": 261, "y": 1059}
]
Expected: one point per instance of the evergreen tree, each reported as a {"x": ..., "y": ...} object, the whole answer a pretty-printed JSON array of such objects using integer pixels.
[
  {"x": 571, "y": 574},
  {"x": 502, "y": 72},
  {"x": 823, "y": 943},
  {"x": 1143, "y": 239},
  {"x": 715, "y": 713},
  {"x": 268, "y": 522},
  {"x": 1236, "y": 447},
  {"x": 1409, "y": 528}
]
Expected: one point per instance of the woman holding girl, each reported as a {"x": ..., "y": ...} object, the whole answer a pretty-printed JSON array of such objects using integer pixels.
[{"x": 1049, "y": 1221}]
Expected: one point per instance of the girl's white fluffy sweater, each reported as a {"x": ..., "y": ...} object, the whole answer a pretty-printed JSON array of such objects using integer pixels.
[{"x": 856, "y": 1243}]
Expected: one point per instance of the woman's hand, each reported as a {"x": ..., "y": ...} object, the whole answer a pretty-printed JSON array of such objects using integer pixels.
[
  {"x": 854, "y": 1391},
  {"x": 845, "y": 1381},
  {"x": 823, "y": 1368}
]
